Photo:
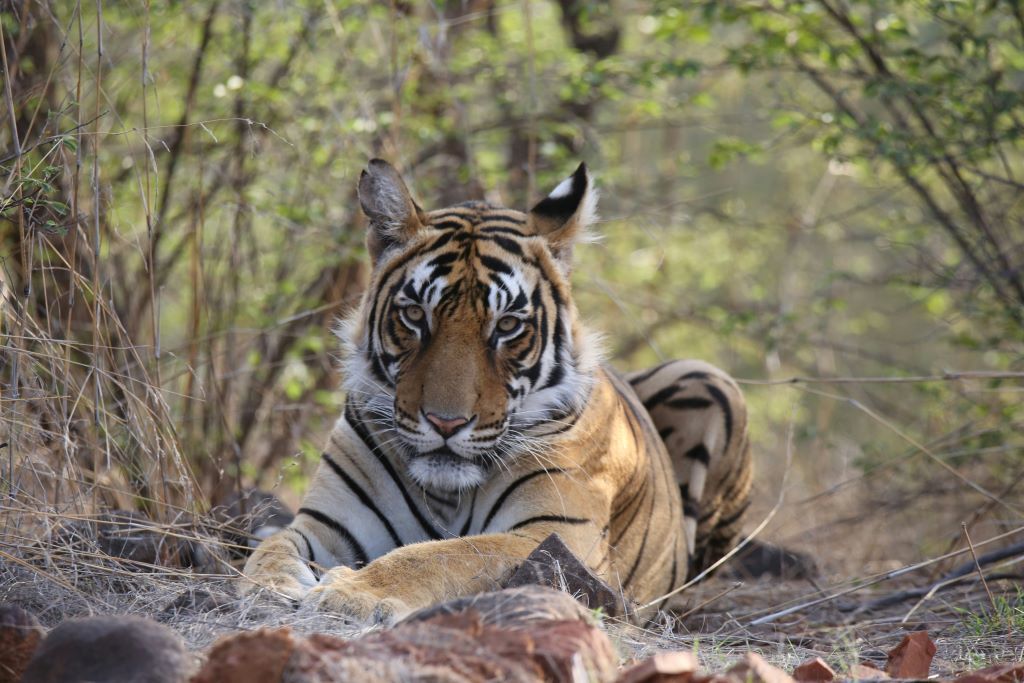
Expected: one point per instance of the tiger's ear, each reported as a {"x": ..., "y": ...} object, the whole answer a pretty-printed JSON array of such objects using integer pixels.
[
  {"x": 394, "y": 216},
  {"x": 564, "y": 215}
]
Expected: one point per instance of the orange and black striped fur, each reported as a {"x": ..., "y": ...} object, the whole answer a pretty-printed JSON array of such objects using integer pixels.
[{"x": 479, "y": 420}]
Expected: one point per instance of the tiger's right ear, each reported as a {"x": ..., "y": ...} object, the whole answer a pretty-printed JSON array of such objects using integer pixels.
[{"x": 394, "y": 216}]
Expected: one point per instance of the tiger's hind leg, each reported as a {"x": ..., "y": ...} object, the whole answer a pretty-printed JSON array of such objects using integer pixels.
[{"x": 701, "y": 416}]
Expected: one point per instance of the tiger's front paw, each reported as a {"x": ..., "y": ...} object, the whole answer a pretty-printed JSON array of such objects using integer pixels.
[{"x": 344, "y": 591}]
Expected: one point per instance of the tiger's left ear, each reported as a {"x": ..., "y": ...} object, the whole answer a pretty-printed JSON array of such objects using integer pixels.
[{"x": 564, "y": 215}]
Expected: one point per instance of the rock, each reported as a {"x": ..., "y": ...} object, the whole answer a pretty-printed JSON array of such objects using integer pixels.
[
  {"x": 20, "y": 633},
  {"x": 866, "y": 671},
  {"x": 553, "y": 564},
  {"x": 814, "y": 670},
  {"x": 997, "y": 673},
  {"x": 509, "y": 608},
  {"x": 112, "y": 649},
  {"x": 912, "y": 658},
  {"x": 758, "y": 559},
  {"x": 258, "y": 657},
  {"x": 754, "y": 669},
  {"x": 664, "y": 667},
  {"x": 506, "y": 636},
  {"x": 460, "y": 647}
]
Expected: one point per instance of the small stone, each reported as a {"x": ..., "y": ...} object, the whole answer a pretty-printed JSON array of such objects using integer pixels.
[
  {"x": 912, "y": 658},
  {"x": 113, "y": 649},
  {"x": 553, "y": 564},
  {"x": 664, "y": 667},
  {"x": 758, "y": 559},
  {"x": 20, "y": 633},
  {"x": 754, "y": 669},
  {"x": 814, "y": 670},
  {"x": 258, "y": 657}
]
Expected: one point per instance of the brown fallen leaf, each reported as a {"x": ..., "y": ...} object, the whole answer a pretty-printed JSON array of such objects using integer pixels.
[
  {"x": 814, "y": 670},
  {"x": 664, "y": 667},
  {"x": 912, "y": 658},
  {"x": 754, "y": 669}
]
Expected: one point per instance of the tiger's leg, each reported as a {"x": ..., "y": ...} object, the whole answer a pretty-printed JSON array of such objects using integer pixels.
[{"x": 701, "y": 416}]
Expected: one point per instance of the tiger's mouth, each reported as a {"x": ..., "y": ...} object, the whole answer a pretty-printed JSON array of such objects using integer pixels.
[{"x": 444, "y": 469}]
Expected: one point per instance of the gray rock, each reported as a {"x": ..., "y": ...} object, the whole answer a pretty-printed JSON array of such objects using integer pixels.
[
  {"x": 553, "y": 564},
  {"x": 111, "y": 649}
]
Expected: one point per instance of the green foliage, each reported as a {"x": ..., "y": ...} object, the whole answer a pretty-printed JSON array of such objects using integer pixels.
[{"x": 788, "y": 188}]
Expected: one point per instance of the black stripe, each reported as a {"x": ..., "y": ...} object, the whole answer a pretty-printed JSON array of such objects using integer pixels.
[
  {"x": 510, "y": 490},
  {"x": 660, "y": 396},
  {"x": 550, "y": 518},
  {"x": 700, "y": 454},
  {"x": 367, "y": 440},
  {"x": 640, "y": 552},
  {"x": 636, "y": 511},
  {"x": 469, "y": 518},
  {"x": 646, "y": 375},
  {"x": 689, "y": 403},
  {"x": 309, "y": 545},
  {"x": 363, "y": 498},
  {"x": 723, "y": 403},
  {"x": 666, "y": 432},
  {"x": 336, "y": 526},
  {"x": 726, "y": 521},
  {"x": 691, "y": 508}
]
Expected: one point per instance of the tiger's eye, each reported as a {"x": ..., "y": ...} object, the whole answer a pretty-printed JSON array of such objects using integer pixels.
[
  {"x": 508, "y": 324},
  {"x": 414, "y": 313}
]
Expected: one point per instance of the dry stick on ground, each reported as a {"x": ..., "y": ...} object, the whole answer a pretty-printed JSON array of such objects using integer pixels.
[
  {"x": 981, "y": 574},
  {"x": 886, "y": 577}
]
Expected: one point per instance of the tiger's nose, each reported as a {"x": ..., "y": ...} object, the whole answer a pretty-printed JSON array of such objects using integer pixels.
[{"x": 446, "y": 426}]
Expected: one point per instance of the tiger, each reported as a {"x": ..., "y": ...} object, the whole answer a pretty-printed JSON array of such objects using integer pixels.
[{"x": 480, "y": 418}]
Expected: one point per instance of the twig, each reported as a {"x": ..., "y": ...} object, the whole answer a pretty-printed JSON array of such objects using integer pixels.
[
  {"x": 879, "y": 579},
  {"x": 981, "y": 574},
  {"x": 913, "y": 379}
]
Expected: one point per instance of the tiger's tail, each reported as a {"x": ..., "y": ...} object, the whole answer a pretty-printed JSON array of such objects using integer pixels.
[{"x": 701, "y": 416}]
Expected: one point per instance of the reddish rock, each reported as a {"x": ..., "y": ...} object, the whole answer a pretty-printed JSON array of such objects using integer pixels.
[
  {"x": 814, "y": 670},
  {"x": 110, "y": 648},
  {"x": 20, "y": 633},
  {"x": 512, "y": 644},
  {"x": 912, "y": 658},
  {"x": 997, "y": 673},
  {"x": 665, "y": 667},
  {"x": 754, "y": 669},
  {"x": 258, "y": 657}
]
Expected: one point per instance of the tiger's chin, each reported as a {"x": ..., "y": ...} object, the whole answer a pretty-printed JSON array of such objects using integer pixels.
[{"x": 446, "y": 471}]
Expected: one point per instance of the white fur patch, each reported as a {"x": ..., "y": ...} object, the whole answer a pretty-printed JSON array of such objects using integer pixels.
[{"x": 563, "y": 189}]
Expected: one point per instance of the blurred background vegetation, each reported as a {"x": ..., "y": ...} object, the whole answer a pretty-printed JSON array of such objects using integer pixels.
[{"x": 822, "y": 189}]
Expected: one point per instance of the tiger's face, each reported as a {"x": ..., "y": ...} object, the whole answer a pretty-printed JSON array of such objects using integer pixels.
[{"x": 467, "y": 348}]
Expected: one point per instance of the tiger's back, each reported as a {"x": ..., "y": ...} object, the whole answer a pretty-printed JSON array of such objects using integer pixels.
[{"x": 479, "y": 420}]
